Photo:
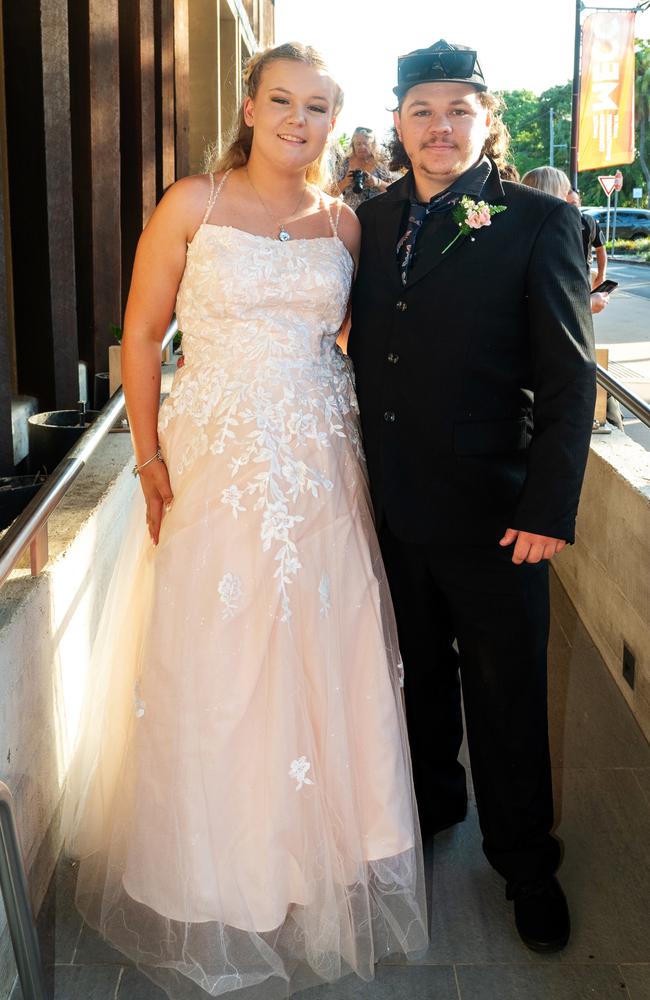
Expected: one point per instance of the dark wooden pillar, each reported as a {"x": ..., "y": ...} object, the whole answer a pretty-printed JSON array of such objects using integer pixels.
[
  {"x": 60, "y": 200},
  {"x": 165, "y": 120},
  {"x": 182, "y": 86},
  {"x": 103, "y": 28},
  {"x": 137, "y": 126},
  {"x": 27, "y": 200},
  {"x": 7, "y": 359},
  {"x": 78, "y": 26},
  {"x": 148, "y": 108}
]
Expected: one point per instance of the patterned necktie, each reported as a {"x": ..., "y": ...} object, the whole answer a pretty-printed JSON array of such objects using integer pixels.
[{"x": 417, "y": 214}]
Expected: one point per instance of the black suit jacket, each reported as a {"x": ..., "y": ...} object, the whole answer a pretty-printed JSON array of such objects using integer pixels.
[{"x": 476, "y": 381}]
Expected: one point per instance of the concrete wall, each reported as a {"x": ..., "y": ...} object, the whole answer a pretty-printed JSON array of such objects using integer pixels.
[
  {"x": 607, "y": 572},
  {"x": 46, "y": 630}
]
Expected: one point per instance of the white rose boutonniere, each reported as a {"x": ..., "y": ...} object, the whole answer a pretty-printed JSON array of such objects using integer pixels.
[{"x": 471, "y": 215}]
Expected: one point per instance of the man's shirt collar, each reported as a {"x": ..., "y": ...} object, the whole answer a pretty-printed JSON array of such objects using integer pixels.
[{"x": 470, "y": 183}]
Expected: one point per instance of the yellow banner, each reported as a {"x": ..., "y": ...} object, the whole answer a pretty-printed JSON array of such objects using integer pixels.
[{"x": 606, "y": 134}]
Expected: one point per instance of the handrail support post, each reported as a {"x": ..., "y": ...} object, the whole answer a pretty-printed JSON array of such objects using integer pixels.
[
  {"x": 39, "y": 550},
  {"x": 15, "y": 894}
]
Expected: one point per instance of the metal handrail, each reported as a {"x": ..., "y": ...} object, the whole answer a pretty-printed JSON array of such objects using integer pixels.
[
  {"x": 634, "y": 403},
  {"x": 15, "y": 894},
  {"x": 27, "y": 525},
  {"x": 26, "y": 528}
]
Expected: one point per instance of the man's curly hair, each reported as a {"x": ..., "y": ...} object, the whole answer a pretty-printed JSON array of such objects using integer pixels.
[{"x": 497, "y": 144}]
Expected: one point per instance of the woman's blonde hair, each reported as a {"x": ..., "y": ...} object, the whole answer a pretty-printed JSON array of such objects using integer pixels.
[
  {"x": 239, "y": 143},
  {"x": 548, "y": 179}
]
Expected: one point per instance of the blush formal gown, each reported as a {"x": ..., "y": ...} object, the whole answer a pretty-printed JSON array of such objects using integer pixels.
[{"x": 241, "y": 798}]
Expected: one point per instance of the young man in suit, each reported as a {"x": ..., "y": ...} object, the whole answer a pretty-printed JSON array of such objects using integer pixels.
[{"x": 473, "y": 352}]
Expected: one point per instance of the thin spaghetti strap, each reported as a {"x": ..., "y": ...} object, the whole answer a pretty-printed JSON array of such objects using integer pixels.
[
  {"x": 214, "y": 194},
  {"x": 334, "y": 220},
  {"x": 339, "y": 209}
]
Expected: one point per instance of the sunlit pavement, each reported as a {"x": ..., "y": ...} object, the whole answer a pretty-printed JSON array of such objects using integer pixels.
[
  {"x": 602, "y": 785},
  {"x": 624, "y": 327}
]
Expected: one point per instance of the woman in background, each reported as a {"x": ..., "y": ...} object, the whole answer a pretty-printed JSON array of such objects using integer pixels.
[
  {"x": 363, "y": 174},
  {"x": 554, "y": 181}
]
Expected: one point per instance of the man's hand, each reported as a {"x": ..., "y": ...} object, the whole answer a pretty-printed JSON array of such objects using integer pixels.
[
  {"x": 531, "y": 548},
  {"x": 598, "y": 301}
]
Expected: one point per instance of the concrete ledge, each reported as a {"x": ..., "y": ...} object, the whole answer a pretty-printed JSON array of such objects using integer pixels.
[
  {"x": 47, "y": 625},
  {"x": 607, "y": 572}
]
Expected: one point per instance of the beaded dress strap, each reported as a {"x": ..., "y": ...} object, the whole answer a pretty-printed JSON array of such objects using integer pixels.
[
  {"x": 334, "y": 220},
  {"x": 214, "y": 194},
  {"x": 339, "y": 209}
]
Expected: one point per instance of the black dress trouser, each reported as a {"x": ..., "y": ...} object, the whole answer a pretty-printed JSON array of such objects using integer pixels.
[{"x": 499, "y": 614}]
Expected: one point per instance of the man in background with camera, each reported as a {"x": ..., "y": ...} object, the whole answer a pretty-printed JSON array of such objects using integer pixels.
[{"x": 473, "y": 351}]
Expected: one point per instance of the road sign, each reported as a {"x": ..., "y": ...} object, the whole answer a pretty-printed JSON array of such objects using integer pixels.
[
  {"x": 637, "y": 192},
  {"x": 618, "y": 181},
  {"x": 607, "y": 184}
]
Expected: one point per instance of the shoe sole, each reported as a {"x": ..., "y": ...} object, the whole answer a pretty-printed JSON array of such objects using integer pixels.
[{"x": 546, "y": 946}]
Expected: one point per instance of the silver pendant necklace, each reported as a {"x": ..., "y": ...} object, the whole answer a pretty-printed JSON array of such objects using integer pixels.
[{"x": 283, "y": 235}]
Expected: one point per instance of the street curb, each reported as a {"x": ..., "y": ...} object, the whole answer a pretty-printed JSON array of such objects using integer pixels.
[{"x": 624, "y": 260}]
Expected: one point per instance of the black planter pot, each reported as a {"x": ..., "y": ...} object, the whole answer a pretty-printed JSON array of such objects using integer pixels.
[
  {"x": 15, "y": 494},
  {"x": 100, "y": 395},
  {"x": 52, "y": 434}
]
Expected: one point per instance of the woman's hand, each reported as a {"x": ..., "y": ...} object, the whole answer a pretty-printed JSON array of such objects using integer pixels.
[
  {"x": 345, "y": 182},
  {"x": 154, "y": 480}
]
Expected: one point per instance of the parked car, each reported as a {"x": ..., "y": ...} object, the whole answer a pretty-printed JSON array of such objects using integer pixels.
[{"x": 631, "y": 223}]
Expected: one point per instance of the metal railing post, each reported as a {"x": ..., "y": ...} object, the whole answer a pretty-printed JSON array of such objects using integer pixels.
[{"x": 13, "y": 885}]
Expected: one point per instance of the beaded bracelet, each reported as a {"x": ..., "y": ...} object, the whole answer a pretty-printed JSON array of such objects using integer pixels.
[{"x": 137, "y": 469}]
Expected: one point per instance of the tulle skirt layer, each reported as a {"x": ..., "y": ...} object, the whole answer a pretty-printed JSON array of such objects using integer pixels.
[{"x": 241, "y": 798}]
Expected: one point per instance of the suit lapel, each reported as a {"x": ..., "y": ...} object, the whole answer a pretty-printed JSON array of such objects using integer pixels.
[
  {"x": 428, "y": 249},
  {"x": 388, "y": 222}
]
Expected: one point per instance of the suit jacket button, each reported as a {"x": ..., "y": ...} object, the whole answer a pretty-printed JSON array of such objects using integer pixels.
[
  {"x": 393, "y": 358},
  {"x": 389, "y": 417},
  {"x": 401, "y": 306}
]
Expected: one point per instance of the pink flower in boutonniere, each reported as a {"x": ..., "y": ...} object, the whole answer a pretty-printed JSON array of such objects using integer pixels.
[{"x": 473, "y": 215}]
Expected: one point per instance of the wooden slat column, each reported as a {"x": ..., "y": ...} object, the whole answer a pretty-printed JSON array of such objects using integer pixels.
[
  {"x": 60, "y": 201},
  {"x": 182, "y": 86},
  {"x": 148, "y": 108},
  {"x": 137, "y": 126},
  {"x": 7, "y": 358},
  {"x": 103, "y": 28},
  {"x": 165, "y": 122},
  {"x": 26, "y": 185}
]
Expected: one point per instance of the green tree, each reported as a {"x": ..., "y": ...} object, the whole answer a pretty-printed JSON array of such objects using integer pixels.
[
  {"x": 523, "y": 115},
  {"x": 528, "y": 119},
  {"x": 642, "y": 108}
]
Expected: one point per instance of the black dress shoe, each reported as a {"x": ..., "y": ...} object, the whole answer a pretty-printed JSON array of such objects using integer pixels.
[{"x": 541, "y": 914}]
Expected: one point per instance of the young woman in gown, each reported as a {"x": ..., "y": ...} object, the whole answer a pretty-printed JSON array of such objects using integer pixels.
[{"x": 241, "y": 799}]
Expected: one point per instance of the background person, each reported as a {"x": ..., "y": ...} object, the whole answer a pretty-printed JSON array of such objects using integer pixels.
[
  {"x": 593, "y": 241},
  {"x": 555, "y": 182},
  {"x": 363, "y": 154}
]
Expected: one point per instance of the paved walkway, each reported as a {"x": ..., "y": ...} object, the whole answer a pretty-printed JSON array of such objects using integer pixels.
[
  {"x": 602, "y": 784},
  {"x": 624, "y": 327}
]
